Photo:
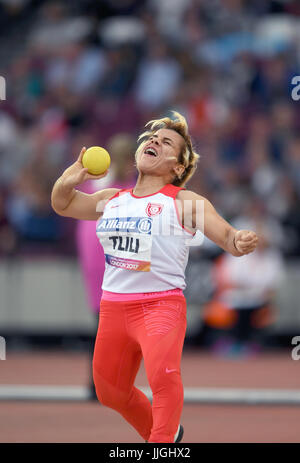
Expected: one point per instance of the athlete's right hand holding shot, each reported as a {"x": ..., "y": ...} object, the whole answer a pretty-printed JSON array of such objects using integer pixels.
[{"x": 69, "y": 202}]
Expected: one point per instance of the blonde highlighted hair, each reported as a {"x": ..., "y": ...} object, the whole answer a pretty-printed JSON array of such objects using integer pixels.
[{"x": 187, "y": 156}]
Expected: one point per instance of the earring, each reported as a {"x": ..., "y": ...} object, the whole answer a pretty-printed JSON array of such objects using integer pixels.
[{"x": 181, "y": 175}]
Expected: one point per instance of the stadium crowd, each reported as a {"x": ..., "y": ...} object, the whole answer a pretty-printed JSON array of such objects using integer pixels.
[{"x": 79, "y": 73}]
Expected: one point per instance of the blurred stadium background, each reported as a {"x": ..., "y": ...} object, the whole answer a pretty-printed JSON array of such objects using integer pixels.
[{"x": 93, "y": 73}]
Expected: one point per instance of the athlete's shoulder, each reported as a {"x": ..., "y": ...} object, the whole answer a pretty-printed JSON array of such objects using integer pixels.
[
  {"x": 102, "y": 197},
  {"x": 170, "y": 190},
  {"x": 106, "y": 194}
]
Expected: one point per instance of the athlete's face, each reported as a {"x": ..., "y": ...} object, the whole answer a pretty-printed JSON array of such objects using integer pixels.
[{"x": 159, "y": 154}]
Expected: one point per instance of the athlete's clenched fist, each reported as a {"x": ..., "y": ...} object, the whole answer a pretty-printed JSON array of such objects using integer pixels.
[{"x": 245, "y": 241}]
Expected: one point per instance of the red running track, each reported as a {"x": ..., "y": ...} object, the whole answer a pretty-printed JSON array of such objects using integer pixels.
[{"x": 91, "y": 422}]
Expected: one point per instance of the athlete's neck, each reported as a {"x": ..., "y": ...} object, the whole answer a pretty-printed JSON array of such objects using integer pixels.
[{"x": 148, "y": 184}]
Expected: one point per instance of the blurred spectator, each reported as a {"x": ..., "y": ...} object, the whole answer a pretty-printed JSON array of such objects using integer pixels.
[
  {"x": 12, "y": 149},
  {"x": 291, "y": 221},
  {"x": 56, "y": 27},
  {"x": 121, "y": 31},
  {"x": 29, "y": 211},
  {"x": 293, "y": 161},
  {"x": 11, "y": 11},
  {"x": 169, "y": 16},
  {"x": 271, "y": 80},
  {"x": 8, "y": 237},
  {"x": 283, "y": 120},
  {"x": 158, "y": 76},
  {"x": 242, "y": 307},
  {"x": 77, "y": 67},
  {"x": 119, "y": 75}
]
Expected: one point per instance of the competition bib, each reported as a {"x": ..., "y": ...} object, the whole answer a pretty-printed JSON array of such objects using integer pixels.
[{"x": 127, "y": 242}]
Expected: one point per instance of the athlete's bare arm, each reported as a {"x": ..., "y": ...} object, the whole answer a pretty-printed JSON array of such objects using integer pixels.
[
  {"x": 69, "y": 202},
  {"x": 217, "y": 229}
]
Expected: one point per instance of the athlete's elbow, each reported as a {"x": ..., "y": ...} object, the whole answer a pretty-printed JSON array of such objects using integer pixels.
[
  {"x": 57, "y": 211},
  {"x": 55, "y": 206}
]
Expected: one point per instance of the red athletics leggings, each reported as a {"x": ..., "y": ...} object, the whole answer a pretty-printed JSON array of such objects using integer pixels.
[{"x": 152, "y": 329}]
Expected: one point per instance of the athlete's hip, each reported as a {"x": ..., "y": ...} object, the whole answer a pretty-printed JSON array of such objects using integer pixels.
[
  {"x": 155, "y": 315},
  {"x": 125, "y": 297}
]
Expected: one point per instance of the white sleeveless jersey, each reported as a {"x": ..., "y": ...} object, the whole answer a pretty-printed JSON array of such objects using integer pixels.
[{"x": 145, "y": 246}]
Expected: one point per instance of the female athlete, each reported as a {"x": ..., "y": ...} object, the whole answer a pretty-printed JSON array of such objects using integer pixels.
[{"x": 145, "y": 232}]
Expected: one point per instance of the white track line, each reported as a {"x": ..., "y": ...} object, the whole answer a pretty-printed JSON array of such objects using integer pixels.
[{"x": 191, "y": 394}]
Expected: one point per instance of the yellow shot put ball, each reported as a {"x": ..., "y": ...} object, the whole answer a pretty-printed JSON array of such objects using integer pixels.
[{"x": 96, "y": 160}]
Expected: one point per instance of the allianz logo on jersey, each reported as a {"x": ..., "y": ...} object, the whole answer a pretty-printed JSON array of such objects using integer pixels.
[{"x": 126, "y": 224}]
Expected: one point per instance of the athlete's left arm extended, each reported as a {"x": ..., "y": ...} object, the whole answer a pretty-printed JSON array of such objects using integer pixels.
[{"x": 217, "y": 229}]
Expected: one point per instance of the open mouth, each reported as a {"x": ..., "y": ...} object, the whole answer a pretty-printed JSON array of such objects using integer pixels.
[{"x": 150, "y": 152}]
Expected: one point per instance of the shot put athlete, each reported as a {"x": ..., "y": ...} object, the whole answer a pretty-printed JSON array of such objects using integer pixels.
[{"x": 145, "y": 232}]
